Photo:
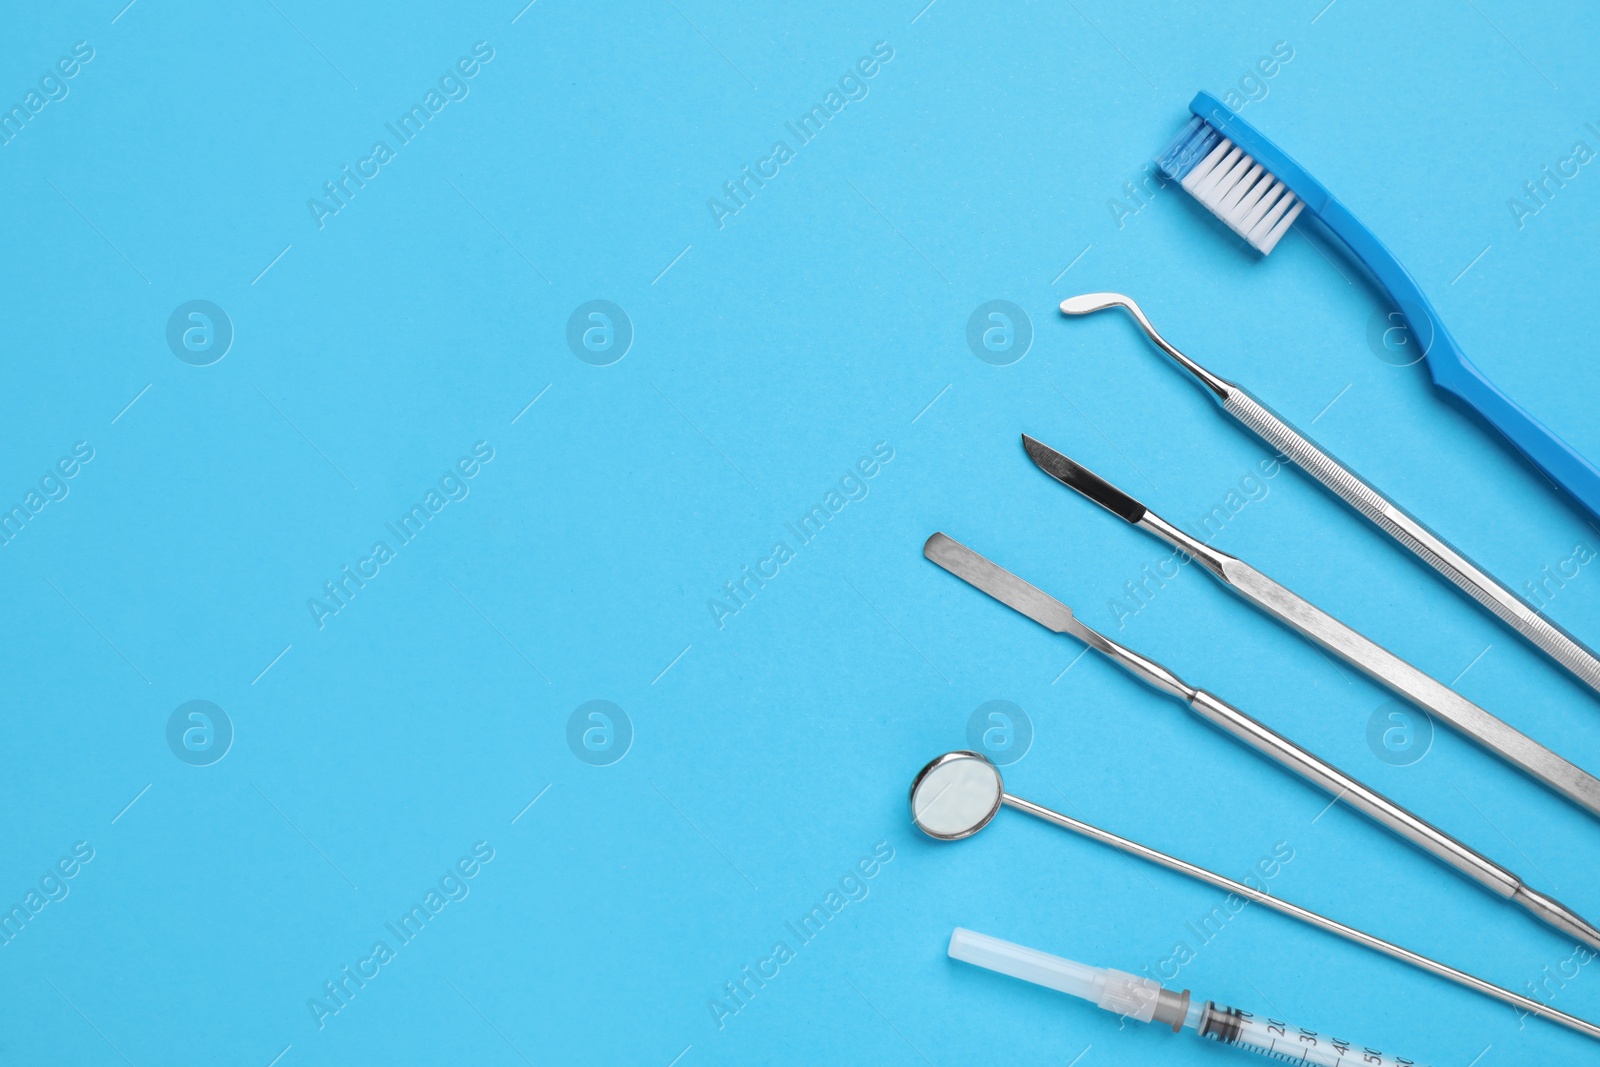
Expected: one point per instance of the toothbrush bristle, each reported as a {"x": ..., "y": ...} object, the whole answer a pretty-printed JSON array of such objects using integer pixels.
[{"x": 1231, "y": 184}]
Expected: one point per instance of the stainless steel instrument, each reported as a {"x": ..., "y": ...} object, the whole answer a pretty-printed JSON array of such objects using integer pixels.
[
  {"x": 1383, "y": 666},
  {"x": 1539, "y": 629},
  {"x": 1052, "y": 614},
  {"x": 959, "y": 793}
]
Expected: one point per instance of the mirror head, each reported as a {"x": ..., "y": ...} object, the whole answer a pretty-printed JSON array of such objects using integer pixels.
[{"x": 956, "y": 795}]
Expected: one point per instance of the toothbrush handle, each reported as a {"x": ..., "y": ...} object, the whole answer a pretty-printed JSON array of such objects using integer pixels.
[
  {"x": 1405, "y": 528},
  {"x": 1451, "y": 369},
  {"x": 1453, "y": 372},
  {"x": 1564, "y": 466}
]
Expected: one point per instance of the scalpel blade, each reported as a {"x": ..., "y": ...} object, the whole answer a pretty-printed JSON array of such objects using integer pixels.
[{"x": 1383, "y": 666}]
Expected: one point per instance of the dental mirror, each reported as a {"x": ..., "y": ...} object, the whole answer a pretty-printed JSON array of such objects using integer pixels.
[{"x": 956, "y": 795}]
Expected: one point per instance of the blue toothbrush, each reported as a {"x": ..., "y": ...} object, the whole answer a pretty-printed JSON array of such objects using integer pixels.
[
  {"x": 1215, "y": 159},
  {"x": 1258, "y": 191}
]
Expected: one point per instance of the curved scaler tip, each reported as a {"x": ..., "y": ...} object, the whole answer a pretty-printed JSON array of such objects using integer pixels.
[{"x": 1090, "y": 302}]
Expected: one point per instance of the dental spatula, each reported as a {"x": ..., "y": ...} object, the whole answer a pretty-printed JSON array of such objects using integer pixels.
[
  {"x": 1383, "y": 666},
  {"x": 1052, "y": 614}
]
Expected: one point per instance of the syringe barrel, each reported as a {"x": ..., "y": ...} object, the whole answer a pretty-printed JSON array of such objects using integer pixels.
[{"x": 1281, "y": 1041}]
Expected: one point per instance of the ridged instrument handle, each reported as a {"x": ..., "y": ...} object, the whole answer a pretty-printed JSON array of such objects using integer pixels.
[{"x": 1405, "y": 528}]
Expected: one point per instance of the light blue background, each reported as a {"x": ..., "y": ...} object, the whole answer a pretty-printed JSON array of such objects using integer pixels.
[{"x": 771, "y": 755}]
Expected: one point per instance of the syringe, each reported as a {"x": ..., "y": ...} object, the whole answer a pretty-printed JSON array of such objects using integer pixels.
[{"x": 1145, "y": 1000}]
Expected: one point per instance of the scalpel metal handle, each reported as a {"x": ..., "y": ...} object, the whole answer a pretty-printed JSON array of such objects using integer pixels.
[
  {"x": 1341, "y": 786},
  {"x": 1499, "y": 737},
  {"x": 1401, "y": 525}
]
